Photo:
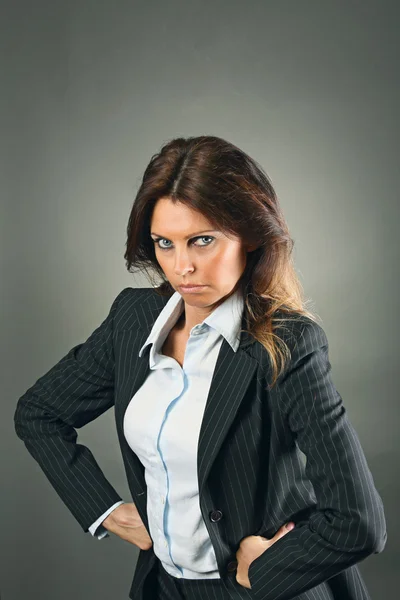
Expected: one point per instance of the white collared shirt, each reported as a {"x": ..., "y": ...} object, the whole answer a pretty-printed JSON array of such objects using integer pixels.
[{"x": 162, "y": 425}]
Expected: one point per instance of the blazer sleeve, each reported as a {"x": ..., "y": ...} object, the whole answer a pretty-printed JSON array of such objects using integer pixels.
[
  {"x": 75, "y": 391},
  {"x": 348, "y": 523}
]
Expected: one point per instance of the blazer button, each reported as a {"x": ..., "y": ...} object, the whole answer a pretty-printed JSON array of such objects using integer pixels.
[
  {"x": 232, "y": 565},
  {"x": 215, "y": 515}
]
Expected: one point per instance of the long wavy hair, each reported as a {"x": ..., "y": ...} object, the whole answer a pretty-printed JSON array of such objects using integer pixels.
[{"x": 216, "y": 178}]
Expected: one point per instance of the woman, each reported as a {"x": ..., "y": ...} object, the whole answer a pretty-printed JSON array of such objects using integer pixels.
[{"x": 219, "y": 392}]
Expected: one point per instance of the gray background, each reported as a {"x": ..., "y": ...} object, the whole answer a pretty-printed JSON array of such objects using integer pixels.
[{"x": 89, "y": 91}]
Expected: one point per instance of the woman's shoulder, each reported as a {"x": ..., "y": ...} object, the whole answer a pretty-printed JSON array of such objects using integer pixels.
[
  {"x": 134, "y": 306},
  {"x": 301, "y": 333}
]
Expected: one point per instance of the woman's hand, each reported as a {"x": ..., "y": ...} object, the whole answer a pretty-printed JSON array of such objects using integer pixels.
[
  {"x": 251, "y": 547},
  {"x": 125, "y": 522}
]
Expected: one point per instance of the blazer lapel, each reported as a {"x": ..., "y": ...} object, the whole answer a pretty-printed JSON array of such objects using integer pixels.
[{"x": 232, "y": 375}]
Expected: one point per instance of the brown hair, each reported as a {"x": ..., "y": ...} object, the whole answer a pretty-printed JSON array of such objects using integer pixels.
[{"x": 216, "y": 178}]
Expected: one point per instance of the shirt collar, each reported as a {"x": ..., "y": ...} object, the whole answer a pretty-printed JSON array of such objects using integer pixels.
[{"x": 226, "y": 319}]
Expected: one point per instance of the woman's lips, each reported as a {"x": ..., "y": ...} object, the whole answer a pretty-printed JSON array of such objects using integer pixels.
[{"x": 191, "y": 288}]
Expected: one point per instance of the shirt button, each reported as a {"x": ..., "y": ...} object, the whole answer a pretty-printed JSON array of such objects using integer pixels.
[{"x": 166, "y": 543}]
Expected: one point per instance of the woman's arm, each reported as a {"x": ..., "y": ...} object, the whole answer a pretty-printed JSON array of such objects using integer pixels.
[
  {"x": 75, "y": 391},
  {"x": 349, "y": 523}
]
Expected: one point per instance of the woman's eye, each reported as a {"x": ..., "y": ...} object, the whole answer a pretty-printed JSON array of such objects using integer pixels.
[
  {"x": 203, "y": 237},
  {"x": 158, "y": 242}
]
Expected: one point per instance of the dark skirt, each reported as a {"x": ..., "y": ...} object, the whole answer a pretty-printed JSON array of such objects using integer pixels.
[{"x": 160, "y": 585}]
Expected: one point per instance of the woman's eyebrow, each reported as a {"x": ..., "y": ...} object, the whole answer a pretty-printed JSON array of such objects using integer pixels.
[{"x": 188, "y": 236}]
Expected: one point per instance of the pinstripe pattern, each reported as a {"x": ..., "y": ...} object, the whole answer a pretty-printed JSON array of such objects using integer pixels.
[{"x": 250, "y": 465}]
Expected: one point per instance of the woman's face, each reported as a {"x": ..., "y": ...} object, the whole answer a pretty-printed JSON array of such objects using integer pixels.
[{"x": 211, "y": 259}]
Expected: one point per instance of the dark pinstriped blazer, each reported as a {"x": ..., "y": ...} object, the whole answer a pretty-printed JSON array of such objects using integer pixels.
[{"x": 251, "y": 470}]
